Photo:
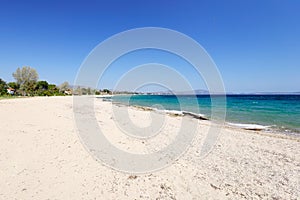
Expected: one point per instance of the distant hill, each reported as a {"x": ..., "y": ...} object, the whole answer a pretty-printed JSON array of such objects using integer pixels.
[
  {"x": 269, "y": 93},
  {"x": 197, "y": 92},
  {"x": 206, "y": 92}
]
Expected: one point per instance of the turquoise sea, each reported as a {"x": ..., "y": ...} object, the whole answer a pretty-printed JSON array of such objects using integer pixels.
[{"x": 275, "y": 112}]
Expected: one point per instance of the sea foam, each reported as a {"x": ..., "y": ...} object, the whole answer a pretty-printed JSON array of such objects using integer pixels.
[{"x": 257, "y": 127}]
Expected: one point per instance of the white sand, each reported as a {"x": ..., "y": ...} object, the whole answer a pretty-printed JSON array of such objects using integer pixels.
[{"x": 41, "y": 157}]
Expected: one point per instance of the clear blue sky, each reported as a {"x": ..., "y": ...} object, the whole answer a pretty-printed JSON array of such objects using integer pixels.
[{"x": 255, "y": 44}]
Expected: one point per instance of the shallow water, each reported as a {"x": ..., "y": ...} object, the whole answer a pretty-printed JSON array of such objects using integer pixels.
[{"x": 276, "y": 111}]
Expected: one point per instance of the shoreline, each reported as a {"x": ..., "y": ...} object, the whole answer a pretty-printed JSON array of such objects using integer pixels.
[{"x": 267, "y": 129}]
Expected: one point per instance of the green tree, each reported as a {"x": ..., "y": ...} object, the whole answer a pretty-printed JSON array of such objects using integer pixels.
[
  {"x": 3, "y": 87},
  {"x": 13, "y": 85},
  {"x": 28, "y": 88},
  {"x": 53, "y": 90},
  {"x": 26, "y": 77},
  {"x": 41, "y": 88},
  {"x": 42, "y": 85},
  {"x": 107, "y": 91},
  {"x": 97, "y": 92}
]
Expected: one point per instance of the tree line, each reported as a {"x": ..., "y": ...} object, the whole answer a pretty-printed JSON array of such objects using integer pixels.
[{"x": 27, "y": 83}]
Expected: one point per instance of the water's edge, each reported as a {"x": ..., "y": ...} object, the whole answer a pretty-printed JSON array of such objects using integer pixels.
[{"x": 243, "y": 126}]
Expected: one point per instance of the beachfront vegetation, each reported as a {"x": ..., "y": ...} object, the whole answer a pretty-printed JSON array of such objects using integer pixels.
[
  {"x": 26, "y": 77},
  {"x": 27, "y": 83},
  {"x": 3, "y": 87},
  {"x": 13, "y": 85}
]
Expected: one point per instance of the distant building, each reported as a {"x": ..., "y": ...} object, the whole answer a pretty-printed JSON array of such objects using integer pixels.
[
  {"x": 68, "y": 92},
  {"x": 11, "y": 91}
]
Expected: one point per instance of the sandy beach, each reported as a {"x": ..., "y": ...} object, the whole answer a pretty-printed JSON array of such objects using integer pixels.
[{"x": 42, "y": 157}]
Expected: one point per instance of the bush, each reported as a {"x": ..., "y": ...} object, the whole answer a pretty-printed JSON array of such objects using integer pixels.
[{"x": 3, "y": 87}]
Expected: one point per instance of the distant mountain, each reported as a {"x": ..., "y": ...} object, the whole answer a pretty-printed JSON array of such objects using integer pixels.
[
  {"x": 197, "y": 92},
  {"x": 168, "y": 92},
  {"x": 269, "y": 93},
  {"x": 206, "y": 92}
]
